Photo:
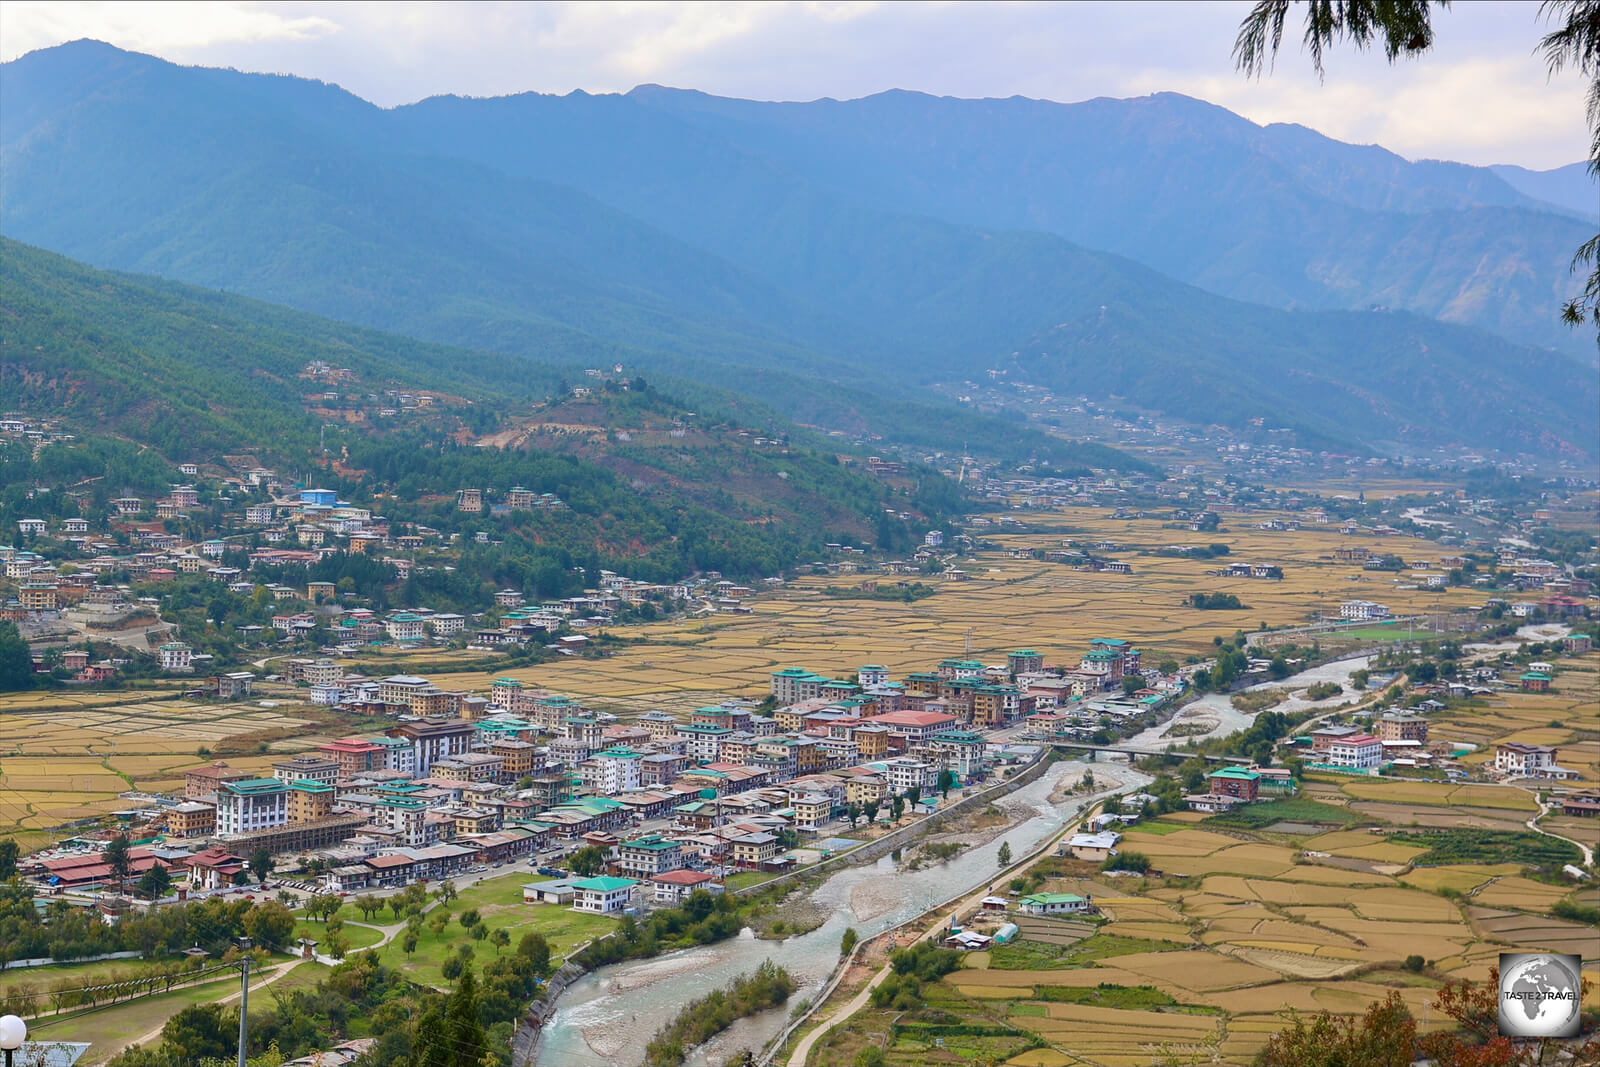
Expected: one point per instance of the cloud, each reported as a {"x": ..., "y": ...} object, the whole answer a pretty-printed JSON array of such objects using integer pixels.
[
  {"x": 1480, "y": 96},
  {"x": 155, "y": 27}
]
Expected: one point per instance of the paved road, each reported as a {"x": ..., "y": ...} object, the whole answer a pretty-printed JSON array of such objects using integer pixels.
[{"x": 1533, "y": 824}]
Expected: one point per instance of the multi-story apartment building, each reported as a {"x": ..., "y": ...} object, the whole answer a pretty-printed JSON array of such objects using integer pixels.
[
  {"x": 1357, "y": 751},
  {"x": 251, "y": 804},
  {"x": 905, "y": 774},
  {"x": 308, "y": 800},
  {"x": 1398, "y": 726},
  {"x": 649, "y": 855},
  {"x": 1517, "y": 760},
  {"x": 307, "y": 768},
  {"x": 435, "y": 739},
  {"x": 469, "y": 767}
]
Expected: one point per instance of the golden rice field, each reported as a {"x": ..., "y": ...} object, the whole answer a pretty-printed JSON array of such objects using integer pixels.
[
  {"x": 1568, "y": 718},
  {"x": 69, "y": 756},
  {"x": 1255, "y": 928},
  {"x": 1006, "y": 603}
]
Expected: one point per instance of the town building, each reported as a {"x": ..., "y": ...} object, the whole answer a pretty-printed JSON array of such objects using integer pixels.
[
  {"x": 648, "y": 856},
  {"x": 1361, "y": 752},
  {"x": 1239, "y": 782},
  {"x": 603, "y": 896},
  {"x": 251, "y": 804},
  {"x": 1054, "y": 904},
  {"x": 1517, "y": 760}
]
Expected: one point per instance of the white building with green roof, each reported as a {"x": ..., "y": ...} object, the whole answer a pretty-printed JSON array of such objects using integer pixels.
[{"x": 603, "y": 895}]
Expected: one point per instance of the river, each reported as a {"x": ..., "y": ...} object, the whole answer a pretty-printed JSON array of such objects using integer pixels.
[
  {"x": 608, "y": 1016},
  {"x": 1218, "y": 708}
]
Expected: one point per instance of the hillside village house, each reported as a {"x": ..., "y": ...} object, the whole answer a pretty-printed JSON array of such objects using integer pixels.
[
  {"x": 176, "y": 656},
  {"x": 1362, "y": 610}
]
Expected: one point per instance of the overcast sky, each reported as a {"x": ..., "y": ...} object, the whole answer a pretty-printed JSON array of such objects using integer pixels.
[{"x": 1481, "y": 97}]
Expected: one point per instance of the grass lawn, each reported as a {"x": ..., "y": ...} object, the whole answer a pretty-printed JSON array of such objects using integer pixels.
[
  {"x": 80, "y": 973},
  {"x": 110, "y": 1030},
  {"x": 499, "y": 902},
  {"x": 359, "y": 937},
  {"x": 1380, "y": 633},
  {"x": 745, "y": 879},
  {"x": 1160, "y": 828}
]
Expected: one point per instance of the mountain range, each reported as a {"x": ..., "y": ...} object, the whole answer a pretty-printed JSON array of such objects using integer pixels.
[{"x": 1161, "y": 251}]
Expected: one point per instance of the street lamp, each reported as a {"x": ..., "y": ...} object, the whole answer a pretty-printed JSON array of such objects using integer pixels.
[{"x": 13, "y": 1032}]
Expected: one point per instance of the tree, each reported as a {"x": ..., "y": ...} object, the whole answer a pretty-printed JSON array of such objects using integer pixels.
[
  {"x": 852, "y": 811},
  {"x": 1384, "y": 1037},
  {"x": 116, "y": 857},
  {"x": 847, "y": 943},
  {"x": 155, "y": 882},
  {"x": 16, "y": 661},
  {"x": 397, "y": 903},
  {"x": 261, "y": 864},
  {"x": 897, "y": 807},
  {"x": 337, "y": 945},
  {"x": 462, "y": 1027},
  {"x": 1405, "y": 29},
  {"x": 1004, "y": 857},
  {"x": 536, "y": 950},
  {"x": 470, "y": 918},
  {"x": 947, "y": 782},
  {"x": 870, "y": 810},
  {"x": 1112, "y": 806},
  {"x": 368, "y": 907},
  {"x": 323, "y": 906},
  {"x": 587, "y": 861},
  {"x": 1131, "y": 684},
  {"x": 203, "y": 1032},
  {"x": 447, "y": 891},
  {"x": 501, "y": 938},
  {"x": 269, "y": 924},
  {"x": 8, "y": 859},
  {"x": 408, "y": 942},
  {"x": 914, "y": 795}
]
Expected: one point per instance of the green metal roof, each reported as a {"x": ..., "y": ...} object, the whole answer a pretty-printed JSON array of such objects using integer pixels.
[
  {"x": 1053, "y": 898},
  {"x": 603, "y": 884}
]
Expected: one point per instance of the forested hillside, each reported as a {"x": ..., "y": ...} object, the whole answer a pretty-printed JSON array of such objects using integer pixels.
[{"x": 148, "y": 374}]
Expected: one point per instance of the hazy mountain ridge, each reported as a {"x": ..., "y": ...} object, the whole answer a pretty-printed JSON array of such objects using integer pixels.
[
  {"x": 600, "y": 228},
  {"x": 1190, "y": 189}
]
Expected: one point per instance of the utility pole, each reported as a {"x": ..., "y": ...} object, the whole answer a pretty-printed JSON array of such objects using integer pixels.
[{"x": 244, "y": 1003}]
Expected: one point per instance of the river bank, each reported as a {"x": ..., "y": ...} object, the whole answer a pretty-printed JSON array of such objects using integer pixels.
[
  {"x": 608, "y": 1016},
  {"x": 1213, "y": 715}
]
